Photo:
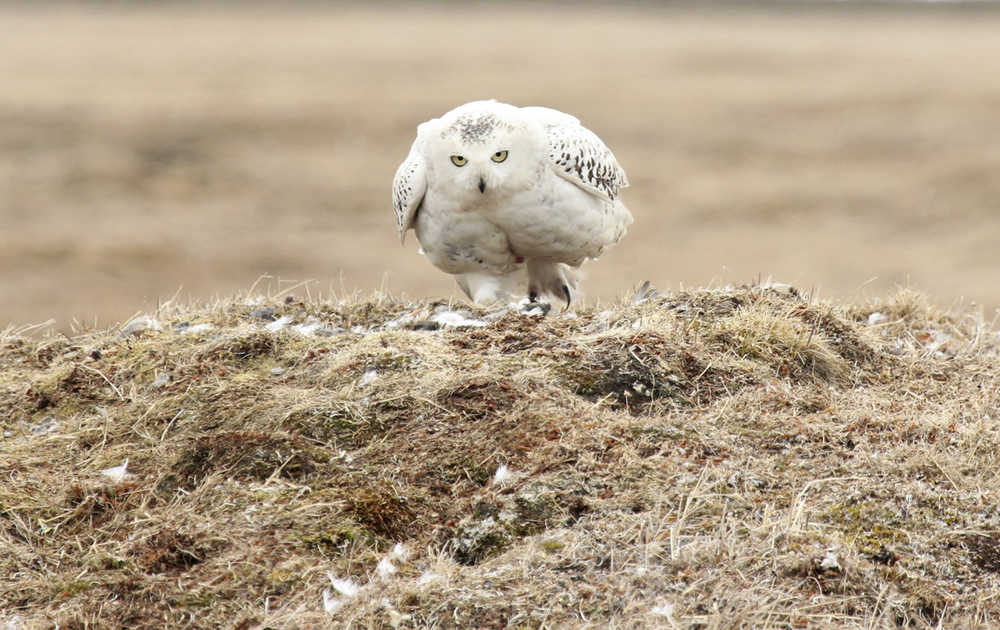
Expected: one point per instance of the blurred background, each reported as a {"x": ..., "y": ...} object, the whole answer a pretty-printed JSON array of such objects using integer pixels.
[{"x": 188, "y": 150}]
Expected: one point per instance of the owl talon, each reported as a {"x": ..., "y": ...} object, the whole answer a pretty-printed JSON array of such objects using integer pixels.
[
  {"x": 566, "y": 293},
  {"x": 532, "y": 295}
]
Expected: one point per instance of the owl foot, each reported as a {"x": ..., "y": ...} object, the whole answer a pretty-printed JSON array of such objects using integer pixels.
[{"x": 555, "y": 279}]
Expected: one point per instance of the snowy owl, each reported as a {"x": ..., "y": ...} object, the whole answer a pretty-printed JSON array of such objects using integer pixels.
[{"x": 491, "y": 188}]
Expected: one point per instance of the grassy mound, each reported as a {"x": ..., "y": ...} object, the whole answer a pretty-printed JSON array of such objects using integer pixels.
[{"x": 739, "y": 458}]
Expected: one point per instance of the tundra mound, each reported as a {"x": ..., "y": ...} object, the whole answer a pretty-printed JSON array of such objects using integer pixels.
[{"x": 732, "y": 458}]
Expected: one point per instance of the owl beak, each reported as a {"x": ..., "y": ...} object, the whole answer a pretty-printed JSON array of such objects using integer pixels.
[{"x": 482, "y": 185}]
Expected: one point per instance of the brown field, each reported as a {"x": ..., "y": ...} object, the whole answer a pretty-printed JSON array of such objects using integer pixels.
[
  {"x": 146, "y": 152},
  {"x": 731, "y": 459}
]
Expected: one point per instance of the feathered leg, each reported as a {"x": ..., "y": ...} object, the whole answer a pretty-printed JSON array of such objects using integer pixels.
[
  {"x": 483, "y": 288},
  {"x": 556, "y": 279}
]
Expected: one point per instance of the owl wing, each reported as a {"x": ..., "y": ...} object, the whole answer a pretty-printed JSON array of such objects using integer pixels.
[
  {"x": 408, "y": 188},
  {"x": 578, "y": 155}
]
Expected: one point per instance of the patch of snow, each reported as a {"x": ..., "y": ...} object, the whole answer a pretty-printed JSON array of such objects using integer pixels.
[
  {"x": 665, "y": 610},
  {"x": 396, "y": 324},
  {"x": 307, "y": 328},
  {"x": 877, "y": 318},
  {"x": 197, "y": 328},
  {"x": 455, "y": 319},
  {"x": 279, "y": 324},
  {"x": 369, "y": 377}
]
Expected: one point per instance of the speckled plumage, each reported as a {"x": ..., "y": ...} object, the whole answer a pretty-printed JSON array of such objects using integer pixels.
[{"x": 490, "y": 189}]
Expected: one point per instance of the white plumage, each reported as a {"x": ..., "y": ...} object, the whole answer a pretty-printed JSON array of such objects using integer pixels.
[{"x": 490, "y": 189}]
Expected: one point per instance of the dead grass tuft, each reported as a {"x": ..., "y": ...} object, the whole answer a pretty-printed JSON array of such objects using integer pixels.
[
  {"x": 241, "y": 455},
  {"x": 731, "y": 458}
]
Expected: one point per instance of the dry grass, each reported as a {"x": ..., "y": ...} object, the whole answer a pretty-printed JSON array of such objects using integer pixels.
[
  {"x": 732, "y": 458},
  {"x": 143, "y": 151}
]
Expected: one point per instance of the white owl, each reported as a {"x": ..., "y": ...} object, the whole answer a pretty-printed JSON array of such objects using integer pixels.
[{"x": 491, "y": 188}]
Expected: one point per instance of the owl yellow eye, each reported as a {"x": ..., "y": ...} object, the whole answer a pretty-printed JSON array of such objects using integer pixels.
[
  {"x": 459, "y": 160},
  {"x": 499, "y": 156}
]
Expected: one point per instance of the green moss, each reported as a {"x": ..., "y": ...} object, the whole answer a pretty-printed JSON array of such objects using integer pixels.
[
  {"x": 65, "y": 590},
  {"x": 869, "y": 526},
  {"x": 552, "y": 545},
  {"x": 338, "y": 421},
  {"x": 333, "y": 541},
  {"x": 393, "y": 362}
]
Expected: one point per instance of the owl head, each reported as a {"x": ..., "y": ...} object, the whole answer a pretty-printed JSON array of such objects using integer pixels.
[{"x": 483, "y": 150}]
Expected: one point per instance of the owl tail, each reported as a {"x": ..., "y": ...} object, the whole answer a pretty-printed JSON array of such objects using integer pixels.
[{"x": 556, "y": 279}]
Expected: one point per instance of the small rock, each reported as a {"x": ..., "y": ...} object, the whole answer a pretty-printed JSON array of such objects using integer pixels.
[
  {"x": 423, "y": 324},
  {"x": 326, "y": 331},
  {"x": 277, "y": 371},
  {"x": 264, "y": 313},
  {"x": 48, "y": 424}
]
